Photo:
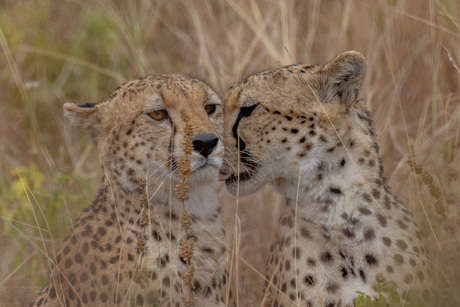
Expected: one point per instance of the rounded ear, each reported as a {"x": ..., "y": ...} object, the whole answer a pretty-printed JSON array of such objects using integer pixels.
[
  {"x": 84, "y": 116},
  {"x": 344, "y": 76}
]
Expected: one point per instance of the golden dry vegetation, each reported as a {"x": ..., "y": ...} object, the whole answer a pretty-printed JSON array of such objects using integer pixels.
[{"x": 58, "y": 51}]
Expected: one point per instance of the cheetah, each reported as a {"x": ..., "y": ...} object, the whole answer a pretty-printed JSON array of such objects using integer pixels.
[
  {"x": 125, "y": 249},
  {"x": 304, "y": 130}
]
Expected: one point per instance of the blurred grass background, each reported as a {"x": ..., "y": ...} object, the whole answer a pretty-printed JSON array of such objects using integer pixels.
[{"x": 52, "y": 52}]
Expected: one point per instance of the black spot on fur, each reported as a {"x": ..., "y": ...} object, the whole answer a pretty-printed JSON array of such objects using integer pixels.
[
  {"x": 336, "y": 191},
  {"x": 309, "y": 280},
  {"x": 401, "y": 244},
  {"x": 326, "y": 257},
  {"x": 304, "y": 232},
  {"x": 369, "y": 234},
  {"x": 382, "y": 220},
  {"x": 362, "y": 275},
  {"x": 364, "y": 211},
  {"x": 332, "y": 287},
  {"x": 398, "y": 259},
  {"x": 83, "y": 277},
  {"x": 348, "y": 233},
  {"x": 68, "y": 263},
  {"x": 296, "y": 252},
  {"x": 52, "y": 293},
  {"x": 408, "y": 278},
  {"x": 344, "y": 272},
  {"x": 401, "y": 224},
  {"x": 370, "y": 259},
  {"x": 390, "y": 269},
  {"x": 78, "y": 258}
]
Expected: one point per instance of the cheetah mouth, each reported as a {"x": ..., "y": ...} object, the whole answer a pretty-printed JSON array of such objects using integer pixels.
[
  {"x": 251, "y": 169},
  {"x": 241, "y": 177}
]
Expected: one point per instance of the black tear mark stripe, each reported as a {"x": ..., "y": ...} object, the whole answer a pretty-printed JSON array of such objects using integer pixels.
[
  {"x": 244, "y": 112},
  {"x": 172, "y": 164}
]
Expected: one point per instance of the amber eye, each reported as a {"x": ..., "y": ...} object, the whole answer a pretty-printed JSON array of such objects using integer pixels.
[
  {"x": 210, "y": 108},
  {"x": 159, "y": 115}
]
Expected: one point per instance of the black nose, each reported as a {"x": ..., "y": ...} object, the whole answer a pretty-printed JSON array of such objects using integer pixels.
[{"x": 205, "y": 143}]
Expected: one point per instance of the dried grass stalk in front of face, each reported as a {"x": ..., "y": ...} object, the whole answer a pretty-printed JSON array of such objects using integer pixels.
[
  {"x": 143, "y": 219},
  {"x": 181, "y": 190}
]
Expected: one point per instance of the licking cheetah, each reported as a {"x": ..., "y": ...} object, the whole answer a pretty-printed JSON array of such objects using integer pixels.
[
  {"x": 304, "y": 130},
  {"x": 126, "y": 247}
]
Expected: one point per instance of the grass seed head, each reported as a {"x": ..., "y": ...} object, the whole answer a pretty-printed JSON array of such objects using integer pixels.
[
  {"x": 143, "y": 200},
  {"x": 188, "y": 275},
  {"x": 184, "y": 167},
  {"x": 144, "y": 220},
  {"x": 184, "y": 116},
  {"x": 140, "y": 243},
  {"x": 181, "y": 191},
  {"x": 185, "y": 221},
  {"x": 187, "y": 146},
  {"x": 189, "y": 130},
  {"x": 186, "y": 249},
  {"x": 191, "y": 301},
  {"x": 142, "y": 183}
]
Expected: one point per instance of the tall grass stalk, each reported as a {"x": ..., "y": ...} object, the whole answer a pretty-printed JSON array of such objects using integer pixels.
[{"x": 54, "y": 52}]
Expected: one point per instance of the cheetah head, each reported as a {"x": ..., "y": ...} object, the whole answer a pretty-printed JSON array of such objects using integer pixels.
[
  {"x": 140, "y": 130},
  {"x": 283, "y": 120}
]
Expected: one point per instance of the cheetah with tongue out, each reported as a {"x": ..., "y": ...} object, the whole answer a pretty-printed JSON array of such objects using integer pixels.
[
  {"x": 125, "y": 249},
  {"x": 304, "y": 130}
]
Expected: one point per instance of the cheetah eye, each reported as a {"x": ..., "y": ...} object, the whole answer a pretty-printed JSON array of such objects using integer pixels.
[
  {"x": 158, "y": 115},
  {"x": 210, "y": 109},
  {"x": 246, "y": 111}
]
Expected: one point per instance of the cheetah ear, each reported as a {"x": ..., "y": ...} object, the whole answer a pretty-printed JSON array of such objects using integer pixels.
[
  {"x": 344, "y": 77},
  {"x": 84, "y": 116}
]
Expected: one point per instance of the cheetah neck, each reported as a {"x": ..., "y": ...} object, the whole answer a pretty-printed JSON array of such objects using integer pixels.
[
  {"x": 338, "y": 195},
  {"x": 113, "y": 199}
]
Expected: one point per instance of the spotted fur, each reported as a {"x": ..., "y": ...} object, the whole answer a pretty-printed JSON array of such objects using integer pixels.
[
  {"x": 304, "y": 130},
  {"x": 121, "y": 251}
]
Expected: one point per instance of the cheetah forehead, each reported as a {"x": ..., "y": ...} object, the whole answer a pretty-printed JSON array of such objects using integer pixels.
[
  {"x": 300, "y": 86},
  {"x": 281, "y": 88},
  {"x": 279, "y": 74},
  {"x": 279, "y": 80},
  {"x": 165, "y": 89},
  {"x": 151, "y": 93}
]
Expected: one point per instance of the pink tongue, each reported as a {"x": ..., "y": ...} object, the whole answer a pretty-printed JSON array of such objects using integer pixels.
[{"x": 223, "y": 177}]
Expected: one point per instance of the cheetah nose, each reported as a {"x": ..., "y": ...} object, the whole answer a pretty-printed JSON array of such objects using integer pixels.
[{"x": 205, "y": 143}]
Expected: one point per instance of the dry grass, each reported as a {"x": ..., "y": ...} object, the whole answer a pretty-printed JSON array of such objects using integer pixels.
[{"x": 54, "y": 52}]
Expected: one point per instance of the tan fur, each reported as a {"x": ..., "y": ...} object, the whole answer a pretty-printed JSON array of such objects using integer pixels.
[
  {"x": 305, "y": 131},
  {"x": 114, "y": 256}
]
